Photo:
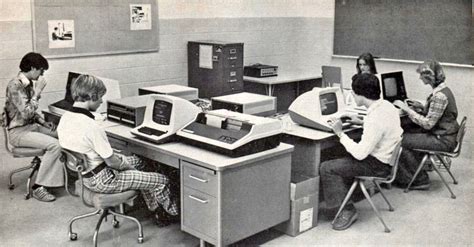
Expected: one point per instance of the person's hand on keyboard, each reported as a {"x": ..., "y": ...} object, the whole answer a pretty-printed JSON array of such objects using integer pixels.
[
  {"x": 401, "y": 105},
  {"x": 415, "y": 105},
  {"x": 352, "y": 119},
  {"x": 336, "y": 125}
]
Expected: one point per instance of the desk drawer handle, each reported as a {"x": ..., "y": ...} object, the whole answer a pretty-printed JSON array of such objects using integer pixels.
[
  {"x": 198, "y": 199},
  {"x": 198, "y": 179}
]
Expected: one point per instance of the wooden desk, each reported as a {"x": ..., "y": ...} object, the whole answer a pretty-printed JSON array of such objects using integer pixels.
[
  {"x": 286, "y": 86},
  {"x": 223, "y": 199}
]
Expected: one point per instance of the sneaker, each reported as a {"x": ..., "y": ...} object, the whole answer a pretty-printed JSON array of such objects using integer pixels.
[
  {"x": 423, "y": 186},
  {"x": 41, "y": 194},
  {"x": 345, "y": 219},
  {"x": 163, "y": 219}
]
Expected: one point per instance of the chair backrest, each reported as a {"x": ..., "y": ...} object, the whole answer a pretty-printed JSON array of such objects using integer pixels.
[
  {"x": 394, "y": 162},
  {"x": 460, "y": 137},
  {"x": 77, "y": 162}
]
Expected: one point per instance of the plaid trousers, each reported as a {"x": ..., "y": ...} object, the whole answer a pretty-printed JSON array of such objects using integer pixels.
[{"x": 153, "y": 186}]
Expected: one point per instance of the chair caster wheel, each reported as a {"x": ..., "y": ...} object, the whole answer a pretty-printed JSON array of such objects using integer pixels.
[
  {"x": 140, "y": 240},
  {"x": 73, "y": 236},
  {"x": 454, "y": 197},
  {"x": 116, "y": 223},
  {"x": 406, "y": 191},
  {"x": 27, "y": 196},
  {"x": 387, "y": 230},
  {"x": 456, "y": 182},
  {"x": 391, "y": 209},
  {"x": 11, "y": 186}
]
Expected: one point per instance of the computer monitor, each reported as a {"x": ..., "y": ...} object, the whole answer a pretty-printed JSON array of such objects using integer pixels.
[
  {"x": 164, "y": 116},
  {"x": 314, "y": 108},
  {"x": 70, "y": 78},
  {"x": 392, "y": 86}
]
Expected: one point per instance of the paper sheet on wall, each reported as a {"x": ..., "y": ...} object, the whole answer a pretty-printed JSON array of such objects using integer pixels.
[{"x": 205, "y": 56}]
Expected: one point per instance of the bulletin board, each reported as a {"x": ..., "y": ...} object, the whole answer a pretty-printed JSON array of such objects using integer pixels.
[
  {"x": 72, "y": 28},
  {"x": 406, "y": 29}
]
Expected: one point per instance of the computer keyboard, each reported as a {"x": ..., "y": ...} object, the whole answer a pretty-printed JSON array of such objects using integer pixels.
[{"x": 150, "y": 131}]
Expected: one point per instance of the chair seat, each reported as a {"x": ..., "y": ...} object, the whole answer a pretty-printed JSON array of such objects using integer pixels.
[
  {"x": 100, "y": 200},
  {"x": 380, "y": 179},
  {"x": 27, "y": 152},
  {"x": 450, "y": 154}
]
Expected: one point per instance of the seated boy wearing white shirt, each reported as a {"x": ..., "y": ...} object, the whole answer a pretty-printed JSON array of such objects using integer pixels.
[
  {"x": 109, "y": 172},
  {"x": 369, "y": 157}
]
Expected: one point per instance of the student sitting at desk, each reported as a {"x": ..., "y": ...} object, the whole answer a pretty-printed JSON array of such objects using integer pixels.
[
  {"x": 432, "y": 126},
  {"x": 365, "y": 65},
  {"x": 28, "y": 129},
  {"x": 110, "y": 172},
  {"x": 369, "y": 157}
]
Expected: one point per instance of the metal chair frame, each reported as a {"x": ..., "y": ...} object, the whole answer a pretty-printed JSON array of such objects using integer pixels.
[
  {"x": 431, "y": 154},
  {"x": 359, "y": 180},
  {"x": 34, "y": 165},
  {"x": 77, "y": 162}
]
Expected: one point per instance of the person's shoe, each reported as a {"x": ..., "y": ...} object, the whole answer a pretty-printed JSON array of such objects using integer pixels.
[
  {"x": 421, "y": 186},
  {"x": 162, "y": 218},
  {"x": 41, "y": 194},
  {"x": 345, "y": 219}
]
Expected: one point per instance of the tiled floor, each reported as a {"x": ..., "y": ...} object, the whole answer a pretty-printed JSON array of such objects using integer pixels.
[{"x": 421, "y": 218}]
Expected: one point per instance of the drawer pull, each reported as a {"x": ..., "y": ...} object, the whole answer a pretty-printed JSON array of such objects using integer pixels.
[
  {"x": 198, "y": 179},
  {"x": 198, "y": 199}
]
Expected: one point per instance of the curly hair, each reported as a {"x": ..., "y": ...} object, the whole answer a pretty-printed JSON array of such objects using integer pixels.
[
  {"x": 432, "y": 70},
  {"x": 87, "y": 87}
]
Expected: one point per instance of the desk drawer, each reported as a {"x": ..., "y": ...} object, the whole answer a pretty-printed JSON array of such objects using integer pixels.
[
  {"x": 200, "y": 212},
  {"x": 199, "y": 178},
  {"x": 117, "y": 143}
]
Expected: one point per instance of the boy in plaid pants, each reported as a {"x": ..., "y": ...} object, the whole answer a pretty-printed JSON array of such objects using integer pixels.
[{"x": 110, "y": 172}]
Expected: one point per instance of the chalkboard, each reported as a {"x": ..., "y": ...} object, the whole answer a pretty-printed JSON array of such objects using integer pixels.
[
  {"x": 405, "y": 29},
  {"x": 64, "y": 28}
]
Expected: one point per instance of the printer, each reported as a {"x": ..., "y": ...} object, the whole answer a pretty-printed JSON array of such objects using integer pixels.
[
  {"x": 248, "y": 103},
  {"x": 232, "y": 133}
]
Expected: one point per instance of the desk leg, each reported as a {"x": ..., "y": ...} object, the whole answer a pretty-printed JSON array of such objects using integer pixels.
[
  {"x": 202, "y": 243},
  {"x": 270, "y": 89}
]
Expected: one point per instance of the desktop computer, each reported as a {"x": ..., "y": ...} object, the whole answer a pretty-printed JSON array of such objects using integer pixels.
[{"x": 314, "y": 108}]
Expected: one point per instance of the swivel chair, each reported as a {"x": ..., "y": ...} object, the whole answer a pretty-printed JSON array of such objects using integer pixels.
[
  {"x": 431, "y": 154},
  {"x": 23, "y": 152},
  {"x": 104, "y": 204},
  {"x": 359, "y": 180}
]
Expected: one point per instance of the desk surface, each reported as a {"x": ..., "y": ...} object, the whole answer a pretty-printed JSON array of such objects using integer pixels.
[
  {"x": 285, "y": 77},
  {"x": 197, "y": 155},
  {"x": 294, "y": 129}
]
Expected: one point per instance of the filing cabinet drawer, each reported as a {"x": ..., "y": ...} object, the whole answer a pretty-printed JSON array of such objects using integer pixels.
[
  {"x": 199, "y": 178},
  {"x": 200, "y": 212}
]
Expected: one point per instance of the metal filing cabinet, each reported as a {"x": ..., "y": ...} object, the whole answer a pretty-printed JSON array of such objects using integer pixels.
[{"x": 225, "y": 73}]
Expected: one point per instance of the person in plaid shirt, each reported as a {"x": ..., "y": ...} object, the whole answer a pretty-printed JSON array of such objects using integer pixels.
[
  {"x": 109, "y": 171},
  {"x": 432, "y": 126},
  {"x": 27, "y": 128}
]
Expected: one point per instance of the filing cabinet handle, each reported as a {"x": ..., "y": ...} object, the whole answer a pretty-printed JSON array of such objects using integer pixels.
[
  {"x": 198, "y": 199},
  {"x": 198, "y": 179},
  {"x": 232, "y": 58}
]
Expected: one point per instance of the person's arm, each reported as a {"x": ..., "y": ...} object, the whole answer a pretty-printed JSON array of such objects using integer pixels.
[
  {"x": 18, "y": 97},
  {"x": 100, "y": 144},
  {"x": 439, "y": 102},
  {"x": 371, "y": 135}
]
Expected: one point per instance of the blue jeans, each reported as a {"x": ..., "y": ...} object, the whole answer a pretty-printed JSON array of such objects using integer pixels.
[
  {"x": 50, "y": 172},
  {"x": 338, "y": 175}
]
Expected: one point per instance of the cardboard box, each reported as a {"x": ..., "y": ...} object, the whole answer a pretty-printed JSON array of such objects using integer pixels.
[
  {"x": 304, "y": 207},
  {"x": 302, "y": 185}
]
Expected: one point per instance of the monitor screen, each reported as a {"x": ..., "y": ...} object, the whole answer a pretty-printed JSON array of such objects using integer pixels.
[
  {"x": 328, "y": 103},
  {"x": 162, "y": 112},
  {"x": 390, "y": 87},
  {"x": 393, "y": 86},
  {"x": 70, "y": 78}
]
